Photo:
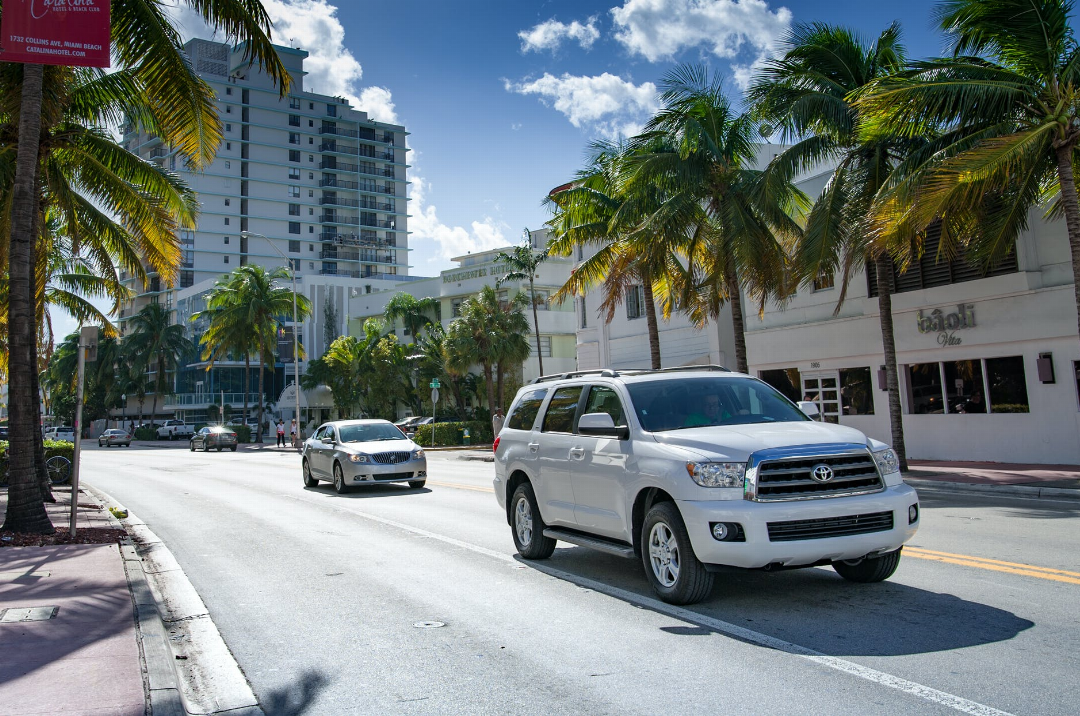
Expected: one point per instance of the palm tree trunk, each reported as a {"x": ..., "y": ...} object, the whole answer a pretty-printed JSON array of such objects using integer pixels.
[
  {"x": 490, "y": 387},
  {"x": 258, "y": 428},
  {"x": 1072, "y": 215},
  {"x": 883, "y": 268},
  {"x": 650, "y": 322},
  {"x": 499, "y": 375},
  {"x": 26, "y": 509},
  {"x": 247, "y": 382},
  {"x": 735, "y": 299},
  {"x": 536, "y": 327},
  {"x": 44, "y": 485}
]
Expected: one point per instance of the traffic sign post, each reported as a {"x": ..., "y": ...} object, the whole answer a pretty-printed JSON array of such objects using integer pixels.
[
  {"x": 87, "y": 351},
  {"x": 434, "y": 385}
]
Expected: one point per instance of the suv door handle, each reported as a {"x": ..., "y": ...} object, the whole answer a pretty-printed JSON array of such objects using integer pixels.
[
  {"x": 533, "y": 447},
  {"x": 578, "y": 452}
]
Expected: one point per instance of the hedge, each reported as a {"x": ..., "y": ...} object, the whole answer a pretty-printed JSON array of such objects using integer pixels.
[
  {"x": 243, "y": 433},
  {"x": 145, "y": 432},
  {"x": 453, "y": 433},
  {"x": 52, "y": 448}
]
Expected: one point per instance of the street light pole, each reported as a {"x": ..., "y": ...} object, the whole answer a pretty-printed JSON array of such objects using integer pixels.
[{"x": 296, "y": 342}]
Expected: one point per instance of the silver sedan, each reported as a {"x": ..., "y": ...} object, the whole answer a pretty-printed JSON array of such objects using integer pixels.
[{"x": 362, "y": 452}]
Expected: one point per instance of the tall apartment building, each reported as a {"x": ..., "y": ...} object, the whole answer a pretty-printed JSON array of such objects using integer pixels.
[{"x": 317, "y": 178}]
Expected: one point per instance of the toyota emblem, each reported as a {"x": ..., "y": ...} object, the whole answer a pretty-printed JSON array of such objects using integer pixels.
[{"x": 821, "y": 473}]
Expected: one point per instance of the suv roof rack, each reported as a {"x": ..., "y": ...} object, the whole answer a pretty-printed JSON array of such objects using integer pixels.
[
  {"x": 677, "y": 369},
  {"x": 602, "y": 372}
]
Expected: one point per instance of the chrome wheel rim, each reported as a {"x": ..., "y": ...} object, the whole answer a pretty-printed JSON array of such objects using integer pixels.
[
  {"x": 339, "y": 479},
  {"x": 307, "y": 472},
  {"x": 664, "y": 557},
  {"x": 523, "y": 522}
]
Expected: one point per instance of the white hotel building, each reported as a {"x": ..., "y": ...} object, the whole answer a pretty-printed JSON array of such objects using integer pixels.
[
  {"x": 989, "y": 363},
  {"x": 321, "y": 181}
]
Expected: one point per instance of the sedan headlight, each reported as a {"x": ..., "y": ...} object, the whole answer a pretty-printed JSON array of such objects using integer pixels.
[
  {"x": 887, "y": 461},
  {"x": 417, "y": 454},
  {"x": 717, "y": 474},
  {"x": 358, "y": 458}
]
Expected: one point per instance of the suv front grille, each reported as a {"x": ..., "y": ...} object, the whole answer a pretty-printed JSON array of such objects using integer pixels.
[
  {"x": 791, "y": 479},
  {"x": 391, "y": 458},
  {"x": 830, "y": 527}
]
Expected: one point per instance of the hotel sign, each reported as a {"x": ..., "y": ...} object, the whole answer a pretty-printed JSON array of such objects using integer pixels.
[
  {"x": 946, "y": 324},
  {"x": 497, "y": 270},
  {"x": 55, "y": 32}
]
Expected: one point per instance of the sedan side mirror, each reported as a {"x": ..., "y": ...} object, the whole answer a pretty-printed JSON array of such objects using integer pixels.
[
  {"x": 809, "y": 408},
  {"x": 328, "y": 440},
  {"x": 601, "y": 424}
]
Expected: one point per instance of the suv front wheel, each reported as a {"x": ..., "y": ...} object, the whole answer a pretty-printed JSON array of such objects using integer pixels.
[
  {"x": 673, "y": 570},
  {"x": 869, "y": 569},
  {"x": 527, "y": 526}
]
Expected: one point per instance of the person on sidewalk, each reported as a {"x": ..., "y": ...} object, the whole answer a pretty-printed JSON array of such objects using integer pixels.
[
  {"x": 497, "y": 422},
  {"x": 280, "y": 433},
  {"x": 292, "y": 431}
]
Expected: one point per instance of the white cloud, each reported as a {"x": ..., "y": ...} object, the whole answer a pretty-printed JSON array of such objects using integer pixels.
[
  {"x": 451, "y": 240},
  {"x": 550, "y": 34},
  {"x": 730, "y": 29},
  {"x": 604, "y": 102},
  {"x": 379, "y": 104}
]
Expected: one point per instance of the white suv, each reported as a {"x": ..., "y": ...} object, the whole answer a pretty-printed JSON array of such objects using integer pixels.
[{"x": 697, "y": 470}]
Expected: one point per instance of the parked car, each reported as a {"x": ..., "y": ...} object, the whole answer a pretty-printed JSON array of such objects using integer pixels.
[
  {"x": 695, "y": 472},
  {"x": 362, "y": 452},
  {"x": 65, "y": 433},
  {"x": 3, "y": 432},
  {"x": 175, "y": 430},
  {"x": 114, "y": 436},
  {"x": 213, "y": 436}
]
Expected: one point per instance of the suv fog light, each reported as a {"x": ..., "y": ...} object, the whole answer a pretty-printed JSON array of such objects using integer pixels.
[
  {"x": 727, "y": 532},
  {"x": 913, "y": 514}
]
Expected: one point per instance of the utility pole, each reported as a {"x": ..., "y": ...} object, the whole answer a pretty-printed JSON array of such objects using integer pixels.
[{"x": 88, "y": 338}]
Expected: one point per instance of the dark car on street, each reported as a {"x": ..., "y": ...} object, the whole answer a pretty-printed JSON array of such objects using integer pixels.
[{"x": 214, "y": 436}]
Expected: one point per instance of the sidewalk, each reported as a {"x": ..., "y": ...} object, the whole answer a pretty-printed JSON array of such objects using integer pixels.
[
  {"x": 1063, "y": 477},
  {"x": 82, "y": 656}
]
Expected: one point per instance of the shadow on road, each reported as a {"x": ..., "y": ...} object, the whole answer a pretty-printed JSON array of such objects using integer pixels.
[
  {"x": 815, "y": 608},
  {"x": 296, "y": 698},
  {"x": 366, "y": 492}
]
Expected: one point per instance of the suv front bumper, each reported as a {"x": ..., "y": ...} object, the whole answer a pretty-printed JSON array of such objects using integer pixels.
[{"x": 759, "y": 551}]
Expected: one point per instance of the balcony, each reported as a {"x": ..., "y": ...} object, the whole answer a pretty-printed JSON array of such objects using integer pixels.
[
  {"x": 330, "y": 217},
  {"x": 330, "y": 253},
  {"x": 339, "y": 272},
  {"x": 158, "y": 152},
  {"x": 331, "y": 163},
  {"x": 357, "y": 240},
  {"x": 339, "y": 131},
  {"x": 189, "y": 400},
  {"x": 365, "y": 185},
  {"x": 338, "y": 201}
]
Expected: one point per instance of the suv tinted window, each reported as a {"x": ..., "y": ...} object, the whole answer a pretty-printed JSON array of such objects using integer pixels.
[
  {"x": 697, "y": 402},
  {"x": 605, "y": 400},
  {"x": 524, "y": 413},
  {"x": 560, "y": 413}
]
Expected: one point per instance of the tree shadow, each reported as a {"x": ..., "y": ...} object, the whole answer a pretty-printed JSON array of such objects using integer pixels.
[
  {"x": 295, "y": 698},
  {"x": 814, "y": 608}
]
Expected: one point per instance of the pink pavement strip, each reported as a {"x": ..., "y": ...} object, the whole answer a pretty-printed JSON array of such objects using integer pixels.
[{"x": 999, "y": 473}]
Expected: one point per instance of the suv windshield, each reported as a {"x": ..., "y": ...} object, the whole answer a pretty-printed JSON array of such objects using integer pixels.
[
  {"x": 369, "y": 433},
  {"x": 675, "y": 404}
]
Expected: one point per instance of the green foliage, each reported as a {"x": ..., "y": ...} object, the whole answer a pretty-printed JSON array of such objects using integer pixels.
[
  {"x": 243, "y": 433},
  {"x": 52, "y": 448},
  {"x": 449, "y": 434},
  {"x": 145, "y": 432}
]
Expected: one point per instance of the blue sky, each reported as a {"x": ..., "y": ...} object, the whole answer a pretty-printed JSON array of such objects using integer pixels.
[{"x": 503, "y": 98}]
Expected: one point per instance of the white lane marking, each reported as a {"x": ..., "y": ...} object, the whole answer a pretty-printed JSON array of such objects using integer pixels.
[{"x": 743, "y": 634}]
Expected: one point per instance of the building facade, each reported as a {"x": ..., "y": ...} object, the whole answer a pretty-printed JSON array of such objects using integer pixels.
[{"x": 304, "y": 180}]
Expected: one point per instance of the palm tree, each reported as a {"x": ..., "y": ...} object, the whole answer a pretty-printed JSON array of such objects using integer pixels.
[
  {"x": 523, "y": 263},
  {"x": 158, "y": 345},
  {"x": 807, "y": 95},
  {"x": 471, "y": 339},
  {"x": 703, "y": 161},
  {"x": 512, "y": 344},
  {"x": 414, "y": 313},
  {"x": 227, "y": 332},
  {"x": 1007, "y": 96}
]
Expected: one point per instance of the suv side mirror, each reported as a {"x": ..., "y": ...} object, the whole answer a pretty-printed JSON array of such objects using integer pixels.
[
  {"x": 601, "y": 424},
  {"x": 809, "y": 408}
]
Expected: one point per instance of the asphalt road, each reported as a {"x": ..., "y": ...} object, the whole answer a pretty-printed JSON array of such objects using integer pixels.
[{"x": 319, "y": 597}]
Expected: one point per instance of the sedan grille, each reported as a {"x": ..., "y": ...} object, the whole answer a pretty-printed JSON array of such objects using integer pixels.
[
  {"x": 391, "y": 458},
  {"x": 830, "y": 527},
  {"x": 394, "y": 476},
  {"x": 793, "y": 479}
]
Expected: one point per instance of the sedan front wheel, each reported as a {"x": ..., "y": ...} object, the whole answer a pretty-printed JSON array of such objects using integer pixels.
[{"x": 339, "y": 480}]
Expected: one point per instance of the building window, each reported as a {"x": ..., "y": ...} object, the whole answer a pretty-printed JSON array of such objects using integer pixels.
[
  {"x": 294, "y": 264},
  {"x": 294, "y": 173},
  {"x": 294, "y": 137},
  {"x": 228, "y": 145},
  {"x": 856, "y": 391},
  {"x": 503, "y": 297},
  {"x": 228, "y": 127},
  {"x": 294, "y": 246},
  {"x": 311, "y": 265},
  {"x": 635, "y": 301},
  {"x": 226, "y": 240},
  {"x": 310, "y": 106},
  {"x": 580, "y": 252},
  {"x": 294, "y": 191},
  {"x": 311, "y": 140},
  {"x": 226, "y": 202},
  {"x": 294, "y": 228},
  {"x": 225, "y": 259},
  {"x": 584, "y": 314},
  {"x": 545, "y": 346},
  {"x": 311, "y": 193},
  {"x": 311, "y": 211},
  {"x": 311, "y": 123},
  {"x": 787, "y": 381},
  {"x": 228, "y": 109},
  {"x": 294, "y": 210},
  {"x": 294, "y": 155},
  {"x": 331, "y": 110},
  {"x": 294, "y": 103},
  {"x": 540, "y": 299},
  {"x": 228, "y": 164},
  {"x": 1008, "y": 388},
  {"x": 187, "y": 278},
  {"x": 455, "y": 308},
  {"x": 924, "y": 382},
  {"x": 294, "y": 120},
  {"x": 228, "y": 90},
  {"x": 964, "y": 386},
  {"x": 226, "y": 221},
  {"x": 824, "y": 281},
  {"x": 311, "y": 247},
  {"x": 311, "y": 229}
]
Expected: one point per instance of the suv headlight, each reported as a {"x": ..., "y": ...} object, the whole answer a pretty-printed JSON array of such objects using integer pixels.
[
  {"x": 717, "y": 474},
  {"x": 417, "y": 454},
  {"x": 887, "y": 461},
  {"x": 358, "y": 458}
]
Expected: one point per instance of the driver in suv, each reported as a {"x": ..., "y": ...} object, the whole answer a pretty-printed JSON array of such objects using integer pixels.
[{"x": 695, "y": 471}]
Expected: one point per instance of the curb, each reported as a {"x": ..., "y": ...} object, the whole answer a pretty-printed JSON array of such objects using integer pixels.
[
  {"x": 1056, "y": 493},
  {"x": 168, "y": 688},
  {"x": 477, "y": 458},
  {"x": 451, "y": 448}
]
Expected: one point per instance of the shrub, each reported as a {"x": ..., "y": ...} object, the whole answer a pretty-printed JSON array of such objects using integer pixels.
[
  {"x": 145, "y": 432},
  {"x": 52, "y": 447},
  {"x": 447, "y": 434},
  {"x": 243, "y": 433}
]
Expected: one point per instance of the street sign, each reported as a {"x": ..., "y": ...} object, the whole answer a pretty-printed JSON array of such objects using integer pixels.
[
  {"x": 89, "y": 335},
  {"x": 435, "y": 383},
  {"x": 434, "y": 395}
]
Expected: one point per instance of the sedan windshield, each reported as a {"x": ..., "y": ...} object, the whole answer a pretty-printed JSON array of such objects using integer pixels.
[
  {"x": 695, "y": 402},
  {"x": 369, "y": 433}
]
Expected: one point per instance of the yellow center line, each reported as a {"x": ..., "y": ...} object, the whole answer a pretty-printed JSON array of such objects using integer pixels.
[
  {"x": 475, "y": 488},
  {"x": 995, "y": 565}
]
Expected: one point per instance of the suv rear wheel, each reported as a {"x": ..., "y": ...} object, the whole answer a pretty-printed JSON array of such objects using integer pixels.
[
  {"x": 870, "y": 569},
  {"x": 527, "y": 526},
  {"x": 673, "y": 570}
]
